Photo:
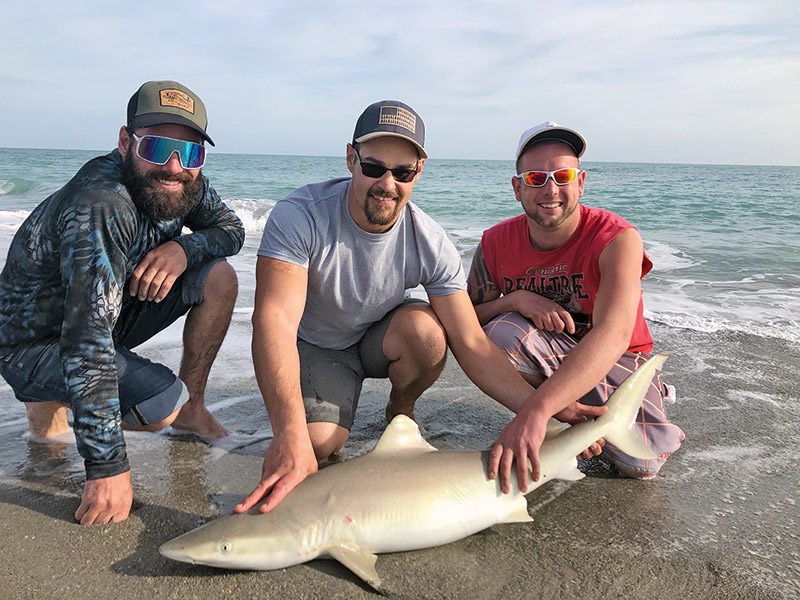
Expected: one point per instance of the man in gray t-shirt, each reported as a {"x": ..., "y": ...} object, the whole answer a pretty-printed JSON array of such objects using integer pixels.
[{"x": 335, "y": 263}]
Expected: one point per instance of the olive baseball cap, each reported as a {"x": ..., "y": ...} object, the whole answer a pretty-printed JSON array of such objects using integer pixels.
[
  {"x": 167, "y": 102},
  {"x": 392, "y": 118}
]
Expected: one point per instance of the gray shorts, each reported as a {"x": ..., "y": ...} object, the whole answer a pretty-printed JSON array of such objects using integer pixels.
[
  {"x": 148, "y": 392},
  {"x": 331, "y": 380},
  {"x": 531, "y": 350}
]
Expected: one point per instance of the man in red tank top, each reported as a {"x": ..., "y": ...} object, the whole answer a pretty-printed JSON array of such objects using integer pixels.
[{"x": 558, "y": 289}]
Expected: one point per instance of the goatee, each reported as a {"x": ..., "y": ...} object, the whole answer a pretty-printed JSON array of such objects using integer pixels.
[
  {"x": 158, "y": 204},
  {"x": 377, "y": 216}
]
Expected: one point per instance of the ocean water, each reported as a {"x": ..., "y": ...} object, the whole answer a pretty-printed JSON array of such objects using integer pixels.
[
  {"x": 723, "y": 239},
  {"x": 723, "y": 300}
]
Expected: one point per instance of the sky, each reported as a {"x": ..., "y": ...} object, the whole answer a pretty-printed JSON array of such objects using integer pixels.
[{"x": 645, "y": 81}]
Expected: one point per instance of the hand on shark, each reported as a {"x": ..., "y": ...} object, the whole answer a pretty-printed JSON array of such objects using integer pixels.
[
  {"x": 287, "y": 462},
  {"x": 405, "y": 494},
  {"x": 577, "y": 412},
  {"x": 520, "y": 440}
]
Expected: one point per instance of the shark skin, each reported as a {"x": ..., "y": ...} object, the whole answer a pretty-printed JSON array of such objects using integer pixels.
[{"x": 403, "y": 495}]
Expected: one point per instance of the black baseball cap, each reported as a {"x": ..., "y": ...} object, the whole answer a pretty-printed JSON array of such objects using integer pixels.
[
  {"x": 167, "y": 102},
  {"x": 392, "y": 118}
]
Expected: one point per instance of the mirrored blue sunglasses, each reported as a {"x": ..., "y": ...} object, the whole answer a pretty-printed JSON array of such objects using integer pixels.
[{"x": 158, "y": 150}]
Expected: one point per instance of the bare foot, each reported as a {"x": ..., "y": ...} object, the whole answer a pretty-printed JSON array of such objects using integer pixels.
[{"x": 195, "y": 417}]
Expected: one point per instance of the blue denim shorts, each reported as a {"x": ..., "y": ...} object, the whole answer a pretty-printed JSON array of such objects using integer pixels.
[{"x": 148, "y": 392}]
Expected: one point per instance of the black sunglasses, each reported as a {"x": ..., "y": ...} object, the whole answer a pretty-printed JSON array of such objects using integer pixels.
[{"x": 373, "y": 171}]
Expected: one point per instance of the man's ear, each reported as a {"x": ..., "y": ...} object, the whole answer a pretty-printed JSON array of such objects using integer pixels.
[
  {"x": 351, "y": 158},
  {"x": 124, "y": 141},
  {"x": 516, "y": 183}
]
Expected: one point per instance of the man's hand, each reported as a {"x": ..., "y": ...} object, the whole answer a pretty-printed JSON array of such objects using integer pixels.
[
  {"x": 105, "y": 500},
  {"x": 153, "y": 277},
  {"x": 286, "y": 464},
  {"x": 518, "y": 443},
  {"x": 577, "y": 412},
  {"x": 543, "y": 312}
]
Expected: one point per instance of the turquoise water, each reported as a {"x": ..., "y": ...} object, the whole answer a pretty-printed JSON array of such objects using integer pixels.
[{"x": 723, "y": 239}]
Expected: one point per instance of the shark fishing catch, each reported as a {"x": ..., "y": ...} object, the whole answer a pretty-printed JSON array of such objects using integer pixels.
[{"x": 403, "y": 495}]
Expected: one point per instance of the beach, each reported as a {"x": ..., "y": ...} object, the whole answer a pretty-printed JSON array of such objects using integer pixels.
[{"x": 720, "y": 521}]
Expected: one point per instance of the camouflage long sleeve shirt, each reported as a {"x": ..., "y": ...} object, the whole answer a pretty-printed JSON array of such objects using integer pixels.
[{"x": 64, "y": 279}]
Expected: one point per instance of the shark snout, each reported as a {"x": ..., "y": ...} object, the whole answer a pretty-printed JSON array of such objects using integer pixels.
[{"x": 175, "y": 550}]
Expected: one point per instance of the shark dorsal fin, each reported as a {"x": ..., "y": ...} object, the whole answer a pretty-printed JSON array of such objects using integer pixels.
[{"x": 402, "y": 435}]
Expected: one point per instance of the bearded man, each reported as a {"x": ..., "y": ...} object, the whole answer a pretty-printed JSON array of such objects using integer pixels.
[{"x": 102, "y": 265}]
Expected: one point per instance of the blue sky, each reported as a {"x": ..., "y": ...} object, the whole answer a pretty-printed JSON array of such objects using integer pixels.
[{"x": 651, "y": 81}]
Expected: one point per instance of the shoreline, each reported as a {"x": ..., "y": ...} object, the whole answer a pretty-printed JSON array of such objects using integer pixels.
[{"x": 719, "y": 522}]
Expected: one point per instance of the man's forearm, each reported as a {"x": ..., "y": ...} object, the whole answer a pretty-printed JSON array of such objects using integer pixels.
[
  {"x": 277, "y": 367},
  {"x": 486, "y": 311},
  {"x": 582, "y": 369},
  {"x": 489, "y": 369},
  {"x": 216, "y": 231}
]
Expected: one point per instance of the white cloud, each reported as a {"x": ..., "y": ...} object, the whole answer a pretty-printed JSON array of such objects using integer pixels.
[{"x": 651, "y": 81}]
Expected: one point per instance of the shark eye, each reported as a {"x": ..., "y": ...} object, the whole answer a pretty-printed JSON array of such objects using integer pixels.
[{"x": 226, "y": 547}]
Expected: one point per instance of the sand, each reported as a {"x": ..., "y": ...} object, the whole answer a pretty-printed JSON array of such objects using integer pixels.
[{"x": 721, "y": 521}]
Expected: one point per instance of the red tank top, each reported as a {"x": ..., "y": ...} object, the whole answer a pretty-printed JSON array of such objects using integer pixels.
[{"x": 568, "y": 275}]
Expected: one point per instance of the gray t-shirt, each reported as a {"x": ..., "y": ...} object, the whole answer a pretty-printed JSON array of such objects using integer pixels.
[{"x": 356, "y": 277}]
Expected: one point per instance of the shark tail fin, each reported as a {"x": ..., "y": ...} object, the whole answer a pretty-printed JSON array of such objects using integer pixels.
[{"x": 623, "y": 406}]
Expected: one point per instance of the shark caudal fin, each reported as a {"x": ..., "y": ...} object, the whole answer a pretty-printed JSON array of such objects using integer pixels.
[{"x": 623, "y": 406}]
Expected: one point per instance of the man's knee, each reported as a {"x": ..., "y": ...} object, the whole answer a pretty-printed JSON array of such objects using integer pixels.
[
  {"x": 221, "y": 284},
  {"x": 508, "y": 330},
  {"x": 416, "y": 331},
  {"x": 152, "y": 427},
  {"x": 327, "y": 438},
  {"x": 634, "y": 468}
]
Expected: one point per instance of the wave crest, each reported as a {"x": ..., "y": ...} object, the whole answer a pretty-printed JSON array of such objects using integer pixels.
[{"x": 15, "y": 186}]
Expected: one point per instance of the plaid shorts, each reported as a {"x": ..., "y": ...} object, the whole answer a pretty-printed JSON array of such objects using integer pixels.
[{"x": 532, "y": 350}]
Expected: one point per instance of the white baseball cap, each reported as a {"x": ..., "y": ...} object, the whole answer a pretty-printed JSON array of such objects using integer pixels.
[{"x": 550, "y": 130}]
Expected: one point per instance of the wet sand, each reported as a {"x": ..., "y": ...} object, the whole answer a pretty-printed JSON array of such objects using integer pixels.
[{"x": 721, "y": 521}]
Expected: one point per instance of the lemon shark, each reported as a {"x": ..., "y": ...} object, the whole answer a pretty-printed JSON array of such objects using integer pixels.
[{"x": 403, "y": 495}]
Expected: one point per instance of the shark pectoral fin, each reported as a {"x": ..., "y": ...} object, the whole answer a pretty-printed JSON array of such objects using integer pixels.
[
  {"x": 519, "y": 514},
  {"x": 359, "y": 562},
  {"x": 569, "y": 471}
]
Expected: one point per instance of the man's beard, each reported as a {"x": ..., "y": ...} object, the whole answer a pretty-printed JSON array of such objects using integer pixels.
[
  {"x": 379, "y": 217},
  {"x": 160, "y": 205}
]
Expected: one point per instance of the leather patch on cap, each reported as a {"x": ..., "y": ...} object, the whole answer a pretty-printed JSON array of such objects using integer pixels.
[
  {"x": 177, "y": 99},
  {"x": 399, "y": 116}
]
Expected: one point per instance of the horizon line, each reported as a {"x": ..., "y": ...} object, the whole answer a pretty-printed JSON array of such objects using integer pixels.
[{"x": 633, "y": 162}]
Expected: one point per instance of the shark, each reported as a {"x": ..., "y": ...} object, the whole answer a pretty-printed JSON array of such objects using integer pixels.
[{"x": 403, "y": 495}]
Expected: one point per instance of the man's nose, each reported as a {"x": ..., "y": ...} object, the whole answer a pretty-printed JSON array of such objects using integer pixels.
[
  {"x": 173, "y": 165},
  {"x": 551, "y": 186}
]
